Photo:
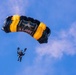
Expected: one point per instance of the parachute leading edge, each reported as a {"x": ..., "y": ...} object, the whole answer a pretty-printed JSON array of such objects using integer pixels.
[{"x": 35, "y": 28}]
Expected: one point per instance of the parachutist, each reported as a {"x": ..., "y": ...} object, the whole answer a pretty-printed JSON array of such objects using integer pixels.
[{"x": 20, "y": 53}]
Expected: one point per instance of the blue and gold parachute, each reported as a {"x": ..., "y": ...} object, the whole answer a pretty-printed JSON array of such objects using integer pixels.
[{"x": 35, "y": 28}]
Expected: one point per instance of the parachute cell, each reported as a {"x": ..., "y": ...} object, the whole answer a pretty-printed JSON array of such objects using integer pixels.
[{"x": 35, "y": 28}]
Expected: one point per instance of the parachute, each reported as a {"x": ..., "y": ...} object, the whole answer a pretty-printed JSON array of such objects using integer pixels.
[{"x": 35, "y": 28}]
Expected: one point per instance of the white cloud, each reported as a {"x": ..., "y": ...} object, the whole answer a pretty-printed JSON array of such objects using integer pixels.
[
  {"x": 72, "y": 31},
  {"x": 63, "y": 43},
  {"x": 18, "y": 6}
]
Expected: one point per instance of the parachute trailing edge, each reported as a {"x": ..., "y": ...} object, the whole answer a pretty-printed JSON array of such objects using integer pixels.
[{"x": 35, "y": 28}]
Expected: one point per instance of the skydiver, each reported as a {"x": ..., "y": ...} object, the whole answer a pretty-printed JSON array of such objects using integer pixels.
[{"x": 20, "y": 53}]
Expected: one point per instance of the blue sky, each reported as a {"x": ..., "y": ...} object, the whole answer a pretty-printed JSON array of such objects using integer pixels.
[{"x": 58, "y": 56}]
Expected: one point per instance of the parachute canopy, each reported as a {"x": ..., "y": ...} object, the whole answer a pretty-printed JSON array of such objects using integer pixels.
[{"x": 35, "y": 28}]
